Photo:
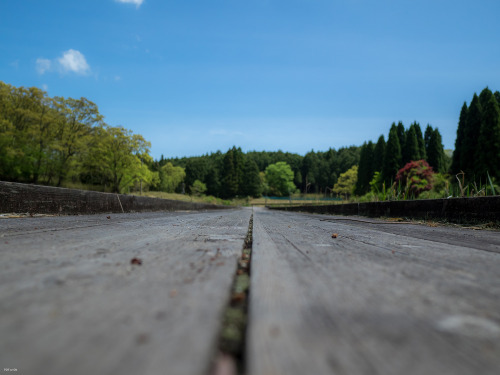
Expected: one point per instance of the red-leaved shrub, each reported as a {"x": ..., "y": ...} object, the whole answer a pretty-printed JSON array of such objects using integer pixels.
[{"x": 416, "y": 177}]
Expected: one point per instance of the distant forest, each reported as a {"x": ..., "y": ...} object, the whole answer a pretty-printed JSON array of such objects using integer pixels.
[{"x": 65, "y": 142}]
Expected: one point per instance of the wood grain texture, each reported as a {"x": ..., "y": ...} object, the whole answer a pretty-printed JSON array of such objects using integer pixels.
[
  {"x": 72, "y": 303},
  {"x": 371, "y": 301}
]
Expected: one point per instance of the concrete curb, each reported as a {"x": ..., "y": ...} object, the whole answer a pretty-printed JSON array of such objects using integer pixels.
[
  {"x": 459, "y": 210},
  {"x": 37, "y": 199}
]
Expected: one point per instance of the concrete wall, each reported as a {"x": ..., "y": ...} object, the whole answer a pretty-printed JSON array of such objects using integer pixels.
[
  {"x": 36, "y": 199},
  {"x": 480, "y": 209}
]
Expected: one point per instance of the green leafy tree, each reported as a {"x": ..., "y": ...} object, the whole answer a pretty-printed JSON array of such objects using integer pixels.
[
  {"x": 346, "y": 183},
  {"x": 198, "y": 188},
  {"x": 279, "y": 177},
  {"x": 119, "y": 154},
  {"x": 73, "y": 133},
  {"x": 171, "y": 177}
]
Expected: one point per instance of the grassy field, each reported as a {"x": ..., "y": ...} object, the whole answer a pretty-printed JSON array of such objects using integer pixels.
[{"x": 262, "y": 201}]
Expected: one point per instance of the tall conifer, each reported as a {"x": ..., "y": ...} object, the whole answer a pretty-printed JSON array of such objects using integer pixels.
[
  {"x": 456, "y": 164},
  {"x": 488, "y": 154},
  {"x": 435, "y": 151},
  {"x": 365, "y": 169},
  {"x": 420, "y": 140},
  {"x": 229, "y": 176},
  {"x": 392, "y": 159},
  {"x": 471, "y": 137},
  {"x": 401, "y": 135},
  {"x": 378, "y": 154},
  {"x": 410, "y": 151}
]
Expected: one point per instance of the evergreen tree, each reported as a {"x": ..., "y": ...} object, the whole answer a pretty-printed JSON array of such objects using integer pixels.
[
  {"x": 378, "y": 154},
  {"x": 365, "y": 169},
  {"x": 485, "y": 96},
  {"x": 251, "y": 179},
  {"x": 195, "y": 170},
  {"x": 471, "y": 137},
  {"x": 401, "y": 135},
  {"x": 229, "y": 186},
  {"x": 410, "y": 150},
  {"x": 420, "y": 140},
  {"x": 435, "y": 152},
  {"x": 427, "y": 138},
  {"x": 392, "y": 158},
  {"x": 488, "y": 154},
  {"x": 239, "y": 167},
  {"x": 456, "y": 164}
]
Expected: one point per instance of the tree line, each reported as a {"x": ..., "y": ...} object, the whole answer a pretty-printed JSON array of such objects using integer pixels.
[
  {"x": 58, "y": 141},
  {"x": 235, "y": 173},
  {"x": 382, "y": 161},
  {"x": 65, "y": 142},
  {"x": 477, "y": 146}
]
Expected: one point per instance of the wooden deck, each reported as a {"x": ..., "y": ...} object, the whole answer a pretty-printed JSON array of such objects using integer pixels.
[{"x": 380, "y": 298}]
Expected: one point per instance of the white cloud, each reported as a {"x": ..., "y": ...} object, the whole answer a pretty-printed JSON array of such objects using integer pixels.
[
  {"x": 43, "y": 65},
  {"x": 70, "y": 61},
  {"x": 136, "y": 2},
  {"x": 73, "y": 61},
  {"x": 45, "y": 87}
]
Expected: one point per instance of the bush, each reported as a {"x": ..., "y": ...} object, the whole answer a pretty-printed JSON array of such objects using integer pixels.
[{"x": 416, "y": 177}]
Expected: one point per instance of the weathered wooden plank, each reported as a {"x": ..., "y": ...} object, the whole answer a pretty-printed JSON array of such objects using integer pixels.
[
  {"x": 369, "y": 301},
  {"x": 36, "y": 199},
  {"x": 72, "y": 302}
]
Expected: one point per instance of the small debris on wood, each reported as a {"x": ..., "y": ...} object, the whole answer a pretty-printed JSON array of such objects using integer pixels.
[
  {"x": 136, "y": 261},
  {"x": 142, "y": 338},
  {"x": 274, "y": 331},
  {"x": 224, "y": 365},
  {"x": 335, "y": 235},
  {"x": 237, "y": 298},
  {"x": 108, "y": 217}
]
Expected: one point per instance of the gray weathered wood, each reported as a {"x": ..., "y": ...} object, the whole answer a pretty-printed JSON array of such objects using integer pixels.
[
  {"x": 375, "y": 300},
  {"x": 72, "y": 303}
]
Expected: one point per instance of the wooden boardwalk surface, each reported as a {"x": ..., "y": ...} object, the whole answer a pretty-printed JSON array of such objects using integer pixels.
[{"x": 380, "y": 298}]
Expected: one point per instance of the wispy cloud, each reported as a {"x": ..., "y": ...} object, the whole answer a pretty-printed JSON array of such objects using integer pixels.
[
  {"x": 74, "y": 61},
  {"x": 136, "y": 2},
  {"x": 71, "y": 61},
  {"x": 43, "y": 65}
]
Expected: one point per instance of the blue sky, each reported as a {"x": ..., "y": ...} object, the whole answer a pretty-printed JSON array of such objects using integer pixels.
[{"x": 199, "y": 76}]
